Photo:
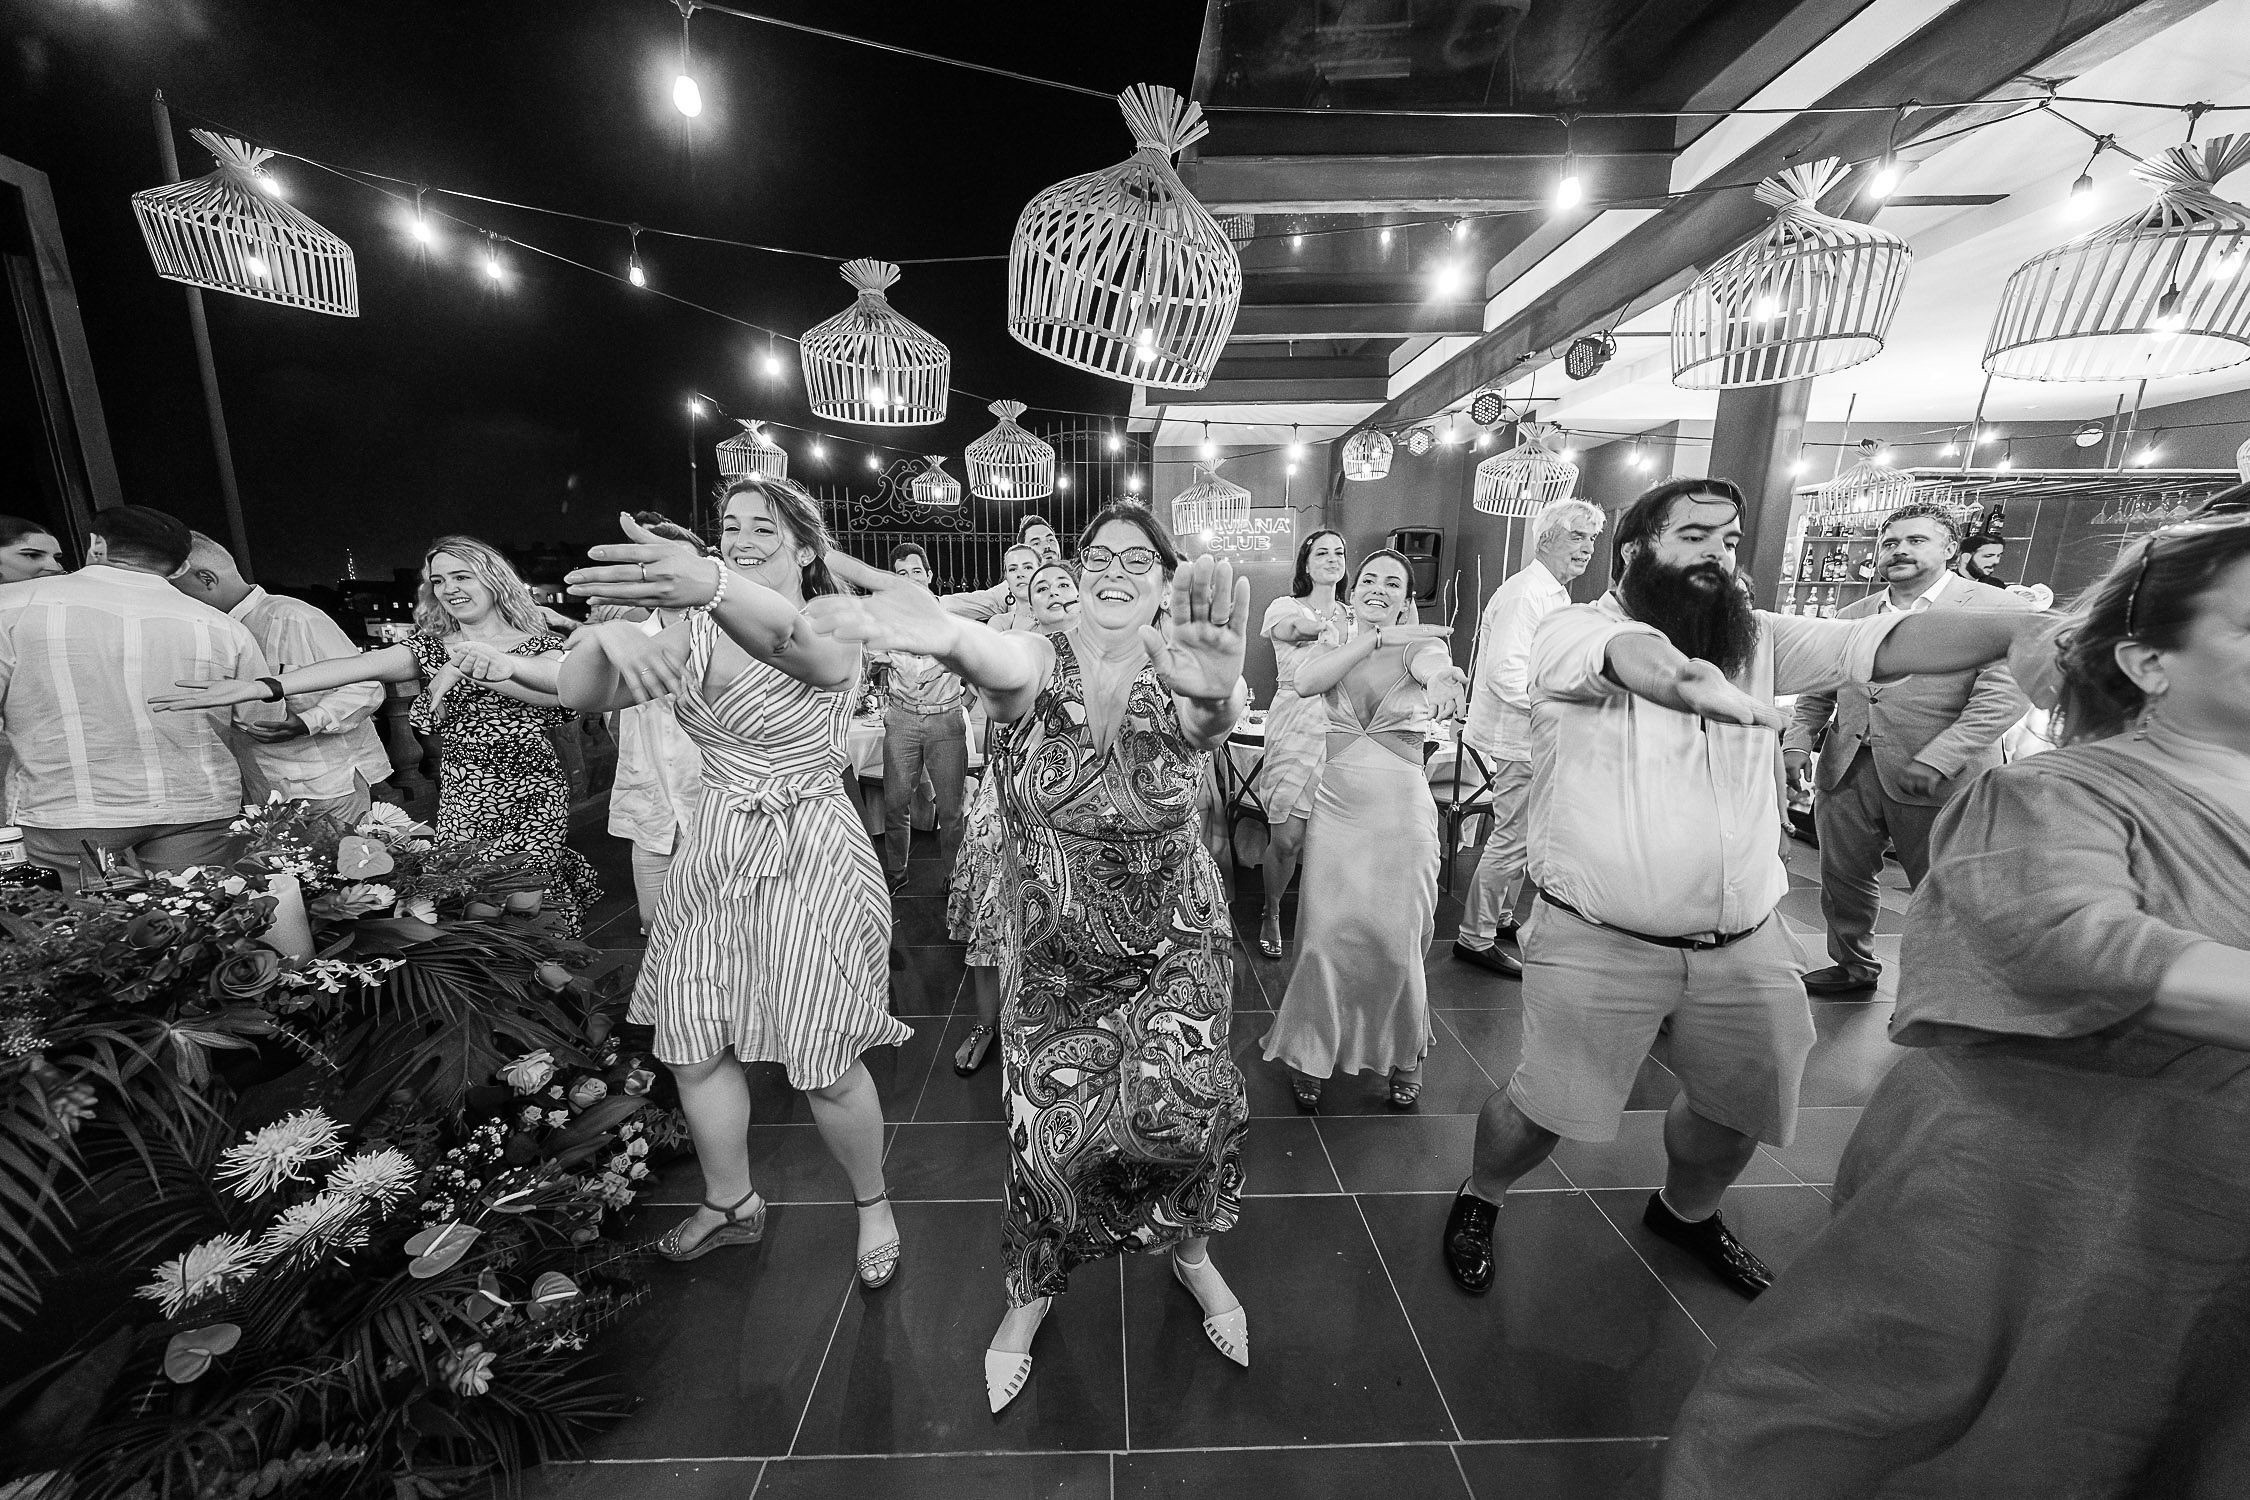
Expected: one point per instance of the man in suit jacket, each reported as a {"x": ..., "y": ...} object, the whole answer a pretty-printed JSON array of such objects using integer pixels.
[{"x": 1896, "y": 751}]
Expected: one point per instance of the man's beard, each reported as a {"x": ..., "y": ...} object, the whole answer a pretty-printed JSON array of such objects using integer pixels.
[{"x": 1702, "y": 609}]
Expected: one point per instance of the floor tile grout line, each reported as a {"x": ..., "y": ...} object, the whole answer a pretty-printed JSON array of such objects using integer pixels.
[
  {"x": 1618, "y": 1230},
  {"x": 812, "y": 1392},
  {"x": 1474, "y": 1060},
  {"x": 1035, "y": 1453},
  {"x": 1406, "y": 1314},
  {"x": 1125, "y": 1367},
  {"x": 945, "y": 1027},
  {"x": 766, "y": 1463},
  {"x": 1459, "y": 1468},
  {"x": 1113, "y": 1477}
]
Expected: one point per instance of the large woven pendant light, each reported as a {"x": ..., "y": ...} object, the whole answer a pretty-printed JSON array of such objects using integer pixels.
[
  {"x": 750, "y": 451},
  {"x": 2163, "y": 292},
  {"x": 1527, "y": 476},
  {"x": 1367, "y": 454},
  {"x": 227, "y": 232},
  {"x": 1868, "y": 487},
  {"x": 1121, "y": 271},
  {"x": 1008, "y": 463},
  {"x": 1810, "y": 296},
  {"x": 1211, "y": 503},
  {"x": 934, "y": 487},
  {"x": 870, "y": 366}
]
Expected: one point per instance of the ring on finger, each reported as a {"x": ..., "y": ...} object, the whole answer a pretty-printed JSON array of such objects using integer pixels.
[{"x": 644, "y": 572}]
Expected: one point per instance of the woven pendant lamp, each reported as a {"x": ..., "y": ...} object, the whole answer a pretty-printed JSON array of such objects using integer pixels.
[
  {"x": 750, "y": 451},
  {"x": 1367, "y": 454},
  {"x": 1211, "y": 503},
  {"x": 1008, "y": 463},
  {"x": 228, "y": 233},
  {"x": 1121, "y": 271},
  {"x": 2163, "y": 292},
  {"x": 1238, "y": 227},
  {"x": 868, "y": 365},
  {"x": 934, "y": 487},
  {"x": 1868, "y": 487},
  {"x": 1810, "y": 296},
  {"x": 1527, "y": 476}
]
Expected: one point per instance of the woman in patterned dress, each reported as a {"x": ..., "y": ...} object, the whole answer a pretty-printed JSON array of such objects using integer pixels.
[
  {"x": 772, "y": 937},
  {"x": 1126, "y": 1110},
  {"x": 1296, "y": 727},
  {"x": 486, "y": 659},
  {"x": 977, "y": 907}
]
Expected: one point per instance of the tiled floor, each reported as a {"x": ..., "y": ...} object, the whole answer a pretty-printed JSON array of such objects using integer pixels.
[{"x": 767, "y": 1373}]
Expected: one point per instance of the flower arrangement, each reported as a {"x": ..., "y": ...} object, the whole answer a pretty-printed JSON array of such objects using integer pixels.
[{"x": 361, "y": 1129}]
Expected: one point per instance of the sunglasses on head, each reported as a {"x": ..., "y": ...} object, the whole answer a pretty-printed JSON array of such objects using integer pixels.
[
  {"x": 2231, "y": 509},
  {"x": 1135, "y": 559}
]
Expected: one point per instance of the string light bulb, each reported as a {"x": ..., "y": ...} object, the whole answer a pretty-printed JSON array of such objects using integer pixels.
[
  {"x": 874, "y": 464},
  {"x": 1569, "y": 191},
  {"x": 1385, "y": 238},
  {"x": 1113, "y": 443},
  {"x": 1885, "y": 181},
  {"x": 418, "y": 223},
  {"x": 1062, "y": 483},
  {"x": 1460, "y": 229},
  {"x": 1445, "y": 281},
  {"x": 2170, "y": 318},
  {"x": 694, "y": 407},
  {"x": 1296, "y": 444},
  {"x": 772, "y": 360},
  {"x": 2224, "y": 265},
  {"x": 1209, "y": 452},
  {"x": 2146, "y": 456},
  {"x": 492, "y": 266},
  {"x": 633, "y": 271},
  {"x": 1133, "y": 483},
  {"x": 255, "y": 264},
  {"x": 1296, "y": 242},
  {"x": 687, "y": 98},
  {"x": 2081, "y": 200},
  {"x": 819, "y": 451}
]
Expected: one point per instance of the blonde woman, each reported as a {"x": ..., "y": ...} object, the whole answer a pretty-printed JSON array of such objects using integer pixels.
[{"x": 486, "y": 659}]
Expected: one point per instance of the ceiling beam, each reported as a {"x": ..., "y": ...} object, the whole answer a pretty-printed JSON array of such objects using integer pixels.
[
  {"x": 1275, "y": 322},
  {"x": 1969, "y": 52},
  {"x": 1287, "y": 383},
  {"x": 1417, "y": 184}
]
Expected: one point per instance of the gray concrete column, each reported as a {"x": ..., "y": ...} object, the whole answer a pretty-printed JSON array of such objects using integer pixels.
[{"x": 1754, "y": 441}]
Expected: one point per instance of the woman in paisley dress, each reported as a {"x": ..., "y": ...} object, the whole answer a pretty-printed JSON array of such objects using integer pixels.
[
  {"x": 1125, "y": 1108},
  {"x": 772, "y": 937},
  {"x": 980, "y": 900},
  {"x": 1314, "y": 614},
  {"x": 486, "y": 660}
]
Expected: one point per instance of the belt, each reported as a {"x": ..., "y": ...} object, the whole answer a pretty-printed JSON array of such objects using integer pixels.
[
  {"x": 1692, "y": 944},
  {"x": 764, "y": 806},
  {"x": 921, "y": 711}
]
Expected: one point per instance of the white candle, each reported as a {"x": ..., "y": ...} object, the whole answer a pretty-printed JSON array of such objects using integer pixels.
[{"x": 291, "y": 932}]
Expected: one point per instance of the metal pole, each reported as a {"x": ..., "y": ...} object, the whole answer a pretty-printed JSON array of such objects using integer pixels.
[
  {"x": 2124, "y": 449},
  {"x": 238, "y": 535},
  {"x": 1976, "y": 428},
  {"x": 1851, "y": 405},
  {"x": 694, "y": 475},
  {"x": 2116, "y": 426}
]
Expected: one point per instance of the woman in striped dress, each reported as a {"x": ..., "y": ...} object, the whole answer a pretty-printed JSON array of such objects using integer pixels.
[
  {"x": 1314, "y": 615},
  {"x": 771, "y": 941},
  {"x": 1125, "y": 1108}
]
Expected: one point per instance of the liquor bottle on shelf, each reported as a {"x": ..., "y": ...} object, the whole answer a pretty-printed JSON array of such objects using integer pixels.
[{"x": 1789, "y": 600}]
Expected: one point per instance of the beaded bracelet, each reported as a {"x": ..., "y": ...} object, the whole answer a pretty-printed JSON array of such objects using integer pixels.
[{"x": 717, "y": 594}]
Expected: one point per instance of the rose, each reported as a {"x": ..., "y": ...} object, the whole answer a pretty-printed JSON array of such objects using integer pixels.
[
  {"x": 481, "y": 910},
  {"x": 529, "y": 1074},
  {"x": 621, "y": 1163},
  {"x": 599, "y": 1026},
  {"x": 587, "y": 1092},
  {"x": 247, "y": 975},
  {"x": 358, "y": 900},
  {"x": 552, "y": 975},
  {"x": 152, "y": 930},
  {"x": 637, "y": 1171},
  {"x": 530, "y": 1117},
  {"x": 636, "y": 1149},
  {"x": 525, "y": 903},
  {"x": 638, "y": 1081}
]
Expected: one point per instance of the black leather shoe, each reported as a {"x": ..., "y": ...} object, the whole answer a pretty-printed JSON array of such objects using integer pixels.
[
  {"x": 1490, "y": 959},
  {"x": 1838, "y": 980},
  {"x": 1711, "y": 1242},
  {"x": 1468, "y": 1242}
]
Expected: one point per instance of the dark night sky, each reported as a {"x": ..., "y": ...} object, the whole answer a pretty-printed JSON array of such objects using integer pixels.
[{"x": 534, "y": 414}]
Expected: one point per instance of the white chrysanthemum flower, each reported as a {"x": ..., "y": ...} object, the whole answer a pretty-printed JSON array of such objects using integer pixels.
[
  {"x": 279, "y": 1153},
  {"x": 381, "y": 1177},
  {"x": 328, "y": 1222},
  {"x": 386, "y": 822},
  {"x": 206, "y": 1268}
]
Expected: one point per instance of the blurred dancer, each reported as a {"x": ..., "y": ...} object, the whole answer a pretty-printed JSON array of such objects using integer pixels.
[{"x": 1314, "y": 614}]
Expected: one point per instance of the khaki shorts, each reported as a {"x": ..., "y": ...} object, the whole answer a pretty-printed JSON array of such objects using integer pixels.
[{"x": 1593, "y": 999}]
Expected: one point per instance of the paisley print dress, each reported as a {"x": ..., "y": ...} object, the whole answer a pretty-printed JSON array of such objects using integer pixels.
[
  {"x": 1125, "y": 1108},
  {"x": 500, "y": 781}
]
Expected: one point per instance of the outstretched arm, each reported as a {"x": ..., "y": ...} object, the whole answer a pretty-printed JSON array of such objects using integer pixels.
[
  {"x": 1007, "y": 667},
  {"x": 617, "y": 664},
  {"x": 390, "y": 664},
  {"x": 528, "y": 679},
  {"x": 1954, "y": 640},
  {"x": 1651, "y": 667}
]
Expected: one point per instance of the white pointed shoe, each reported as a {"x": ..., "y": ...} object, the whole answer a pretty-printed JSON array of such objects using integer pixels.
[
  {"x": 1005, "y": 1373},
  {"x": 1229, "y": 1332}
]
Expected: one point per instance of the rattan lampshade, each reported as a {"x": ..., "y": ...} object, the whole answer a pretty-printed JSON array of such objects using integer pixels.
[
  {"x": 1867, "y": 487},
  {"x": 1527, "y": 476},
  {"x": 870, "y": 366},
  {"x": 1238, "y": 227},
  {"x": 1121, "y": 271},
  {"x": 934, "y": 487},
  {"x": 1367, "y": 454},
  {"x": 750, "y": 451},
  {"x": 1211, "y": 503},
  {"x": 1810, "y": 296},
  {"x": 227, "y": 233},
  {"x": 2163, "y": 292},
  {"x": 1008, "y": 463}
]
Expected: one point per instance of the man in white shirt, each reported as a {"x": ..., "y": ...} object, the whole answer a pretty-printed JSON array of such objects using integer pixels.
[
  {"x": 1896, "y": 753},
  {"x": 925, "y": 731},
  {"x": 1655, "y": 846},
  {"x": 325, "y": 750},
  {"x": 80, "y": 656},
  {"x": 1499, "y": 726}
]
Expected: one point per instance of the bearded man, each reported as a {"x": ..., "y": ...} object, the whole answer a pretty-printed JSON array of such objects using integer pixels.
[{"x": 1655, "y": 835}]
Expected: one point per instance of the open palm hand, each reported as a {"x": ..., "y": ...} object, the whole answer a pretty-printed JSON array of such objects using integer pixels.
[
  {"x": 1198, "y": 654},
  {"x": 894, "y": 615}
]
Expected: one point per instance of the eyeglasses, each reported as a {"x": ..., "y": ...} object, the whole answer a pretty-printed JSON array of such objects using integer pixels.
[
  {"x": 1097, "y": 559},
  {"x": 2231, "y": 510}
]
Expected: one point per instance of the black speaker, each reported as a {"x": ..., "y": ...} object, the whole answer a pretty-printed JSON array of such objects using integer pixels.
[{"x": 1422, "y": 546}]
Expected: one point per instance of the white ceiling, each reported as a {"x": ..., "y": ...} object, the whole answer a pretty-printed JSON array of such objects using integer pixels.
[{"x": 1931, "y": 371}]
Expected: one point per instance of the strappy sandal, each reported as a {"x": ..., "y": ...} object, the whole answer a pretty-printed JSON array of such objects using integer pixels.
[
  {"x": 1405, "y": 1088},
  {"x": 1269, "y": 946},
  {"x": 1305, "y": 1090},
  {"x": 979, "y": 1041},
  {"x": 732, "y": 1232},
  {"x": 879, "y": 1265}
]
